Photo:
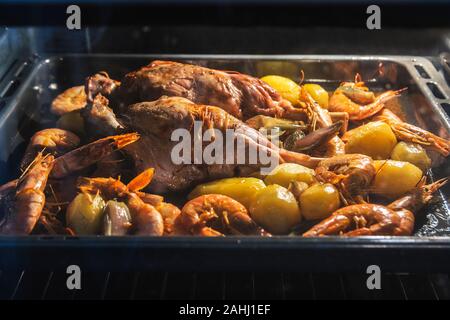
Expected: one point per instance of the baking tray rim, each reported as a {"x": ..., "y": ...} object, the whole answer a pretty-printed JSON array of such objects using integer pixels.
[
  {"x": 280, "y": 242},
  {"x": 408, "y": 62},
  {"x": 368, "y": 242}
]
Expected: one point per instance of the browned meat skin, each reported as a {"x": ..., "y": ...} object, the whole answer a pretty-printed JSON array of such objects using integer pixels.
[
  {"x": 155, "y": 122},
  {"x": 240, "y": 95}
]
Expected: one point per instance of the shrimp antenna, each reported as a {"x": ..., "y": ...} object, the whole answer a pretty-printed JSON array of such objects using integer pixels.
[{"x": 302, "y": 77}]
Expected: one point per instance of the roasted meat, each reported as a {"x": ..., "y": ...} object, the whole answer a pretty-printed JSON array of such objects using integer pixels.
[
  {"x": 240, "y": 95},
  {"x": 156, "y": 122}
]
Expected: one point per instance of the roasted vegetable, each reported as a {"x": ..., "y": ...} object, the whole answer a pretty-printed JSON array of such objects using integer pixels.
[
  {"x": 291, "y": 141},
  {"x": 298, "y": 143},
  {"x": 374, "y": 139},
  {"x": 275, "y": 209},
  {"x": 395, "y": 178},
  {"x": 72, "y": 121},
  {"x": 117, "y": 219},
  {"x": 319, "y": 201},
  {"x": 317, "y": 93},
  {"x": 85, "y": 213},
  {"x": 242, "y": 190},
  {"x": 284, "y": 173},
  {"x": 412, "y": 153},
  {"x": 287, "y": 88}
]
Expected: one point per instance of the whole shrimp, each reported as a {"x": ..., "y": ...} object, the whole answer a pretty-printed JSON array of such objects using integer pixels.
[
  {"x": 351, "y": 173},
  {"x": 168, "y": 211},
  {"x": 55, "y": 141},
  {"x": 22, "y": 200},
  {"x": 146, "y": 219},
  {"x": 70, "y": 100},
  {"x": 356, "y": 99},
  {"x": 372, "y": 219},
  {"x": 322, "y": 116},
  {"x": 408, "y": 132},
  {"x": 216, "y": 215},
  {"x": 89, "y": 154}
]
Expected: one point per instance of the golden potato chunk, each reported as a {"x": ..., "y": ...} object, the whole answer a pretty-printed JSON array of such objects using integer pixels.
[
  {"x": 275, "y": 209},
  {"x": 319, "y": 94},
  {"x": 242, "y": 190},
  {"x": 412, "y": 153},
  {"x": 319, "y": 201},
  {"x": 287, "y": 88},
  {"x": 395, "y": 178},
  {"x": 374, "y": 139},
  {"x": 284, "y": 173},
  {"x": 72, "y": 121}
]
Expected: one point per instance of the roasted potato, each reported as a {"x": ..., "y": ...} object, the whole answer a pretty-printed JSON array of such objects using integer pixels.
[
  {"x": 84, "y": 214},
  {"x": 319, "y": 201},
  {"x": 317, "y": 93},
  {"x": 242, "y": 190},
  {"x": 284, "y": 173},
  {"x": 395, "y": 178},
  {"x": 72, "y": 121},
  {"x": 412, "y": 153},
  {"x": 374, "y": 139},
  {"x": 287, "y": 88},
  {"x": 275, "y": 209}
]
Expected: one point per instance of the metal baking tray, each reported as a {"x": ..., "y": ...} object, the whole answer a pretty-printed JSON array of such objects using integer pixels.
[{"x": 27, "y": 91}]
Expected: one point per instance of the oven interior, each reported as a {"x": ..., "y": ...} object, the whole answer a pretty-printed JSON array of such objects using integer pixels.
[{"x": 36, "y": 62}]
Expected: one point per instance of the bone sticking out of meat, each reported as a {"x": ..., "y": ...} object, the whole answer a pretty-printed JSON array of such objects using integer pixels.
[{"x": 100, "y": 119}]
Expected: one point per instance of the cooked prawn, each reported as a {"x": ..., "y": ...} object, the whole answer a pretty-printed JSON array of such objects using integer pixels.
[
  {"x": 408, "y": 132},
  {"x": 70, "y": 100},
  {"x": 355, "y": 99},
  {"x": 22, "y": 200},
  {"x": 351, "y": 173},
  {"x": 168, "y": 211},
  {"x": 216, "y": 215},
  {"x": 55, "y": 141},
  {"x": 89, "y": 154},
  {"x": 372, "y": 219}
]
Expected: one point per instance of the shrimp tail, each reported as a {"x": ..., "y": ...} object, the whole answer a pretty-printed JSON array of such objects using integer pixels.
[{"x": 142, "y": 180}]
